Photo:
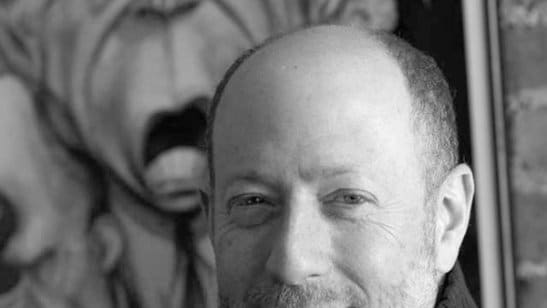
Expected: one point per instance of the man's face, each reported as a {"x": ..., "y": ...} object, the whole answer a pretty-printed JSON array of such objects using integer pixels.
[{"x": 319, "y": 198}]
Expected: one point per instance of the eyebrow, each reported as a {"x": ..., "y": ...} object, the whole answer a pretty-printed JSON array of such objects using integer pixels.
[
  {"x": 327, "y": 172},
  {"x": 247, "y": 176},
  {"x": 250, "y": 176},
  {"x": 259, "y": 177},
  {"x": 332, "y": 172}
]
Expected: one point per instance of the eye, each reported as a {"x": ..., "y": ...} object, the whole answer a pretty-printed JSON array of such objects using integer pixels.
[
  {"x": 247, "y": 200},
  {"x": 353, "y": 199},
  {"x": 349, "y": 197},
  {"x": 250, "y": 210}
]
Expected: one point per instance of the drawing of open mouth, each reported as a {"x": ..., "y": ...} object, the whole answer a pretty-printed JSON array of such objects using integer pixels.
[{"x": 174, "y": 158}]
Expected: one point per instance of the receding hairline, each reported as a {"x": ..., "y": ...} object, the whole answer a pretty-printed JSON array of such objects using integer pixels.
[
  {"x": 369, "y": 39},
  {"x": 312, "y": 42},
  {"x": 244, "y": 61}
]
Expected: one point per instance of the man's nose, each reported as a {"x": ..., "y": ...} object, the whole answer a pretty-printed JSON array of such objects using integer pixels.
[{"x": 300, "y": 251}]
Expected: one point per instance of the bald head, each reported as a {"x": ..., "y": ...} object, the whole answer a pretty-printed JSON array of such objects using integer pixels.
[{"x": 337, "y": 54}]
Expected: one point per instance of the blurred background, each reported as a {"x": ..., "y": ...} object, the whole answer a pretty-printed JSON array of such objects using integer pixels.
[{"x": 102, "y": 115}]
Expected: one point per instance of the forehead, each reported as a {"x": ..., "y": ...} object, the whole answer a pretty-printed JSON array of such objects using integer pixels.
[
  {"x": 299, "y": 81},
  {"x": 315, "y": 100}
]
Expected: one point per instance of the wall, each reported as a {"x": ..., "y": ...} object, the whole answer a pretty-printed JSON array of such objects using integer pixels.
[{"x": 523, "y": 26}]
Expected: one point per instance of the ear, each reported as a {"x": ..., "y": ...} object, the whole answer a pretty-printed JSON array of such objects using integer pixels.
[{"x": 453, "y": 203}]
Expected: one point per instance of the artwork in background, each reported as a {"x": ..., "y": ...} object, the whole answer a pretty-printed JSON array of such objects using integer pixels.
[{"x": 103, "y": 112}]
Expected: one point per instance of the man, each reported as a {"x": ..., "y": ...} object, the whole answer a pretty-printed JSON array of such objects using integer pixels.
[{"x": 334, "y": 179}]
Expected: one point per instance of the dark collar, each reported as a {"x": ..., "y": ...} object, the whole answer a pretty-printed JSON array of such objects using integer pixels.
[{"x": 454, "y": 292}]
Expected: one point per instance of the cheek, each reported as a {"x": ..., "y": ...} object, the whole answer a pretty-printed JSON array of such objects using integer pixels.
[
  {"x": 374, "y": 257},
  {"x": 366, "y": 256},
  {"x": 241, "y": 257}
]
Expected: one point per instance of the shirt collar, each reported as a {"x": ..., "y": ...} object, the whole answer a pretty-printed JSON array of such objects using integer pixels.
[{"x": 454, "y": 292}]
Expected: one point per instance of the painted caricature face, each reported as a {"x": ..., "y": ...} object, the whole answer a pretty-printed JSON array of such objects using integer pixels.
[
  {"x": 318, "y": 194},
  {"x": 150, "y": 89}
]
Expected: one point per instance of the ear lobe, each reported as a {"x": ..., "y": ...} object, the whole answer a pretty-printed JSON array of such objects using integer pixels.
[{"x": 454, "y": 201}]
